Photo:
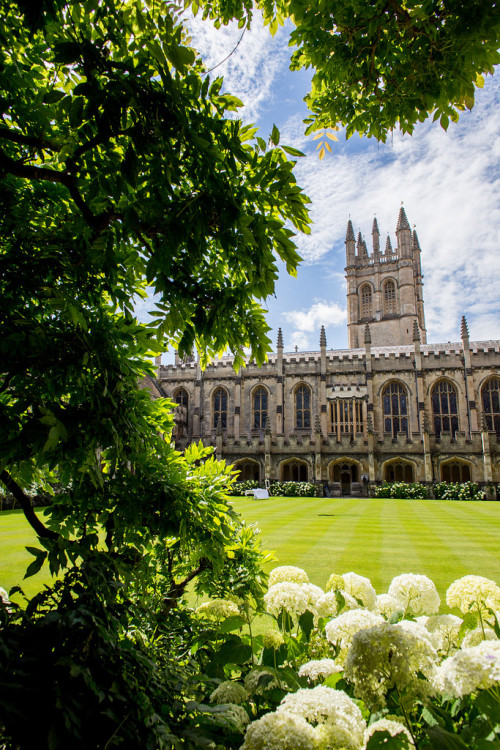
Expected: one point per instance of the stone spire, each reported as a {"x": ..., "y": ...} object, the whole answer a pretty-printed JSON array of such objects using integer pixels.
[
  {"x": 280, "y": 339},
  {"x": 350, "y": 244},
  {"x": 402, "y": 220},
  {"x": 368, "y": 336},
  {"x": 317, "y": 425},
  {"x": 268, "y": 426},
  {"x": 416, "y": 331},
  {"x": 388, "y": 245},
  {"x": 322, "y": 337},
  {"x": 376, "y": 237},
  {"x": 359, "y": 246},
  {"x": 464, "y": 330},
  {"x": 414, "y": 241}
]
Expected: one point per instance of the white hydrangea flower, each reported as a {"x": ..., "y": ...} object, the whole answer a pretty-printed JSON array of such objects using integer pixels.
[
  {"x": 360, "y": 588},
  {"x": 295, "y": 598},
  {"x": 418, "y": 629},
  {"x": 229, "y": 692},
  {"x": 327, "y": 605},
  {"x": 272, "y": 639},
  {"x": 230, "y": 717},
  {"x": 342, "y": 724},
  {"x": 280, "y": 731},
  {"x": 386, "y": 656},
  {"x": 387, "y": 725},
  {"x": 468, "y": 670},
  {"x": 287, "y": 573},
  {"x": 343, "y": 628},
  {"x": 252, "y": 681},
  {"x": 416, "y": 594},
  {"x": 446, "y": 629},
  {"x": 219, "y": 609},
  {"x": 4, "y": 596},
  {"x": 319, "y": 669},
  {"x": 473, "y": 593},
  {"x": 387, "y": 605},
  {"x": 476, "y": 636}
]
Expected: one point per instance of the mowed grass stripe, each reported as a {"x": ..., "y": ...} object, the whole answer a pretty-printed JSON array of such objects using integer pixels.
[{"x": 400, "y": 552}]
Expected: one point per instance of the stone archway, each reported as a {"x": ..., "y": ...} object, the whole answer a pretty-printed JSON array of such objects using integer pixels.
[
  {"x": 399, "y": 470},
  {"x": 248, "y": 469},
  {"x": 294, "y": 470}
]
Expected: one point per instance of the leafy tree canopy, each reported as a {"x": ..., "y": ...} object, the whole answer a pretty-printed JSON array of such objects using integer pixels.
[{"x": 380, "y": 65}]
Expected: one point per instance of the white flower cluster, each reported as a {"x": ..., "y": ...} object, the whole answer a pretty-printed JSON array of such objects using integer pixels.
[
  {"x": 280, "y": 731},
  {"x": 386, "y": 656},
  {"x": 219, "y": 609},
  {"x": 327, "y": 605},
  {"x": 387, "y": 605},
  {"x": 229, "y": 692},
  {"x": 343, "y": 628},
  {"x": 360, "y": 588},
  {"x": 287, "y": 573},
  {"x": 446, "y": 631},
  {"x": 230, "y": 718},
  {"x": 318, "y": 669},
  {"x": 415, "y": 594},
  {"x": 468, "y": 670},
  {"x": 4, "y": 596},
  {"x": 272, "y": 639},
  {"x": 258, "y": 681},
  {"x": 473, "y": 593},
  {"x": 295, "y": 598},
  {"x": 394, "y": 728}
]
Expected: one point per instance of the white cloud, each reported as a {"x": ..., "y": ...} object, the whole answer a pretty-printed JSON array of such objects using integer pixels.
[{"x": 309, "y": 321}]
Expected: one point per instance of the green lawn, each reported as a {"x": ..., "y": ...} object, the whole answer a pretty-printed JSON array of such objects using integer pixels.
[
  {"x": 380, "y": 538},
  {"x": 375, "y": 538}
]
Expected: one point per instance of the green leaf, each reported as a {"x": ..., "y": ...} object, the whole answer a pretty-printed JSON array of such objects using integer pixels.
[
  {"x": 67, "y": 52},
  {"x": 275, "y": 136},
  {"x": 444, "y": 740},
  {"x": 233, "y": 653},
  {"x": 382, "y": 739},
  {"x": 488, "y": 704},
  {"x": 306, "y": 623},
  {"x": 235, "y": 622},
  {"x": 292, "y": 151},
  {"x": 35, "y": 566}
]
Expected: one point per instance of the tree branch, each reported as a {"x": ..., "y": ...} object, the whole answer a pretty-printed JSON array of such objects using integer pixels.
[
  {"x": 8, "y": 134},
  {"x": 178, "y": 589},
  {"x": 28, "y": 172},
  {"x": 25, "y": 503}
]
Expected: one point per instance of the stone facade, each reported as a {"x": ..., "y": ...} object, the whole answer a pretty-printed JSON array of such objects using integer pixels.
[{"x": 349, "y": 418}]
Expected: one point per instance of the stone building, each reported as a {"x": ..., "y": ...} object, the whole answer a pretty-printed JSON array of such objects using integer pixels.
[{"x": 391, "y": 407}]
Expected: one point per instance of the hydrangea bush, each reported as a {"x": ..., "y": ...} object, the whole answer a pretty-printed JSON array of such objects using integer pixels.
[
  {"x": 294, "y": 489},
  {"x": 458, "y": 491},
  {"x": 402, "y": 490}
]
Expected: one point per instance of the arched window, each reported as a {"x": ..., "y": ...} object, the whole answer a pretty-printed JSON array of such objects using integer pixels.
[
  {"x": 455, "y": 471},
  {"x": 294, "y": 471},
  {"x": 490, "y": 396},
  {"x": 444, "y": 408},
  {"x": 303, "y": 407},
  {"x": 395, "y": 408},
  {"x": 181, "y": 397},
  {"x": 366, "y": 301},
  {"x": 389, "y": 298},
  {"x": 398, "y": 471},
  {"x": 219, "y": 409},
  {"x": 346, "y": 416},
  {"x": 259, "y": 404}
]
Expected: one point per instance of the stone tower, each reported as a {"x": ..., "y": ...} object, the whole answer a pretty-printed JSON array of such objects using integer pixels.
[{"x": 384, "y": 289}]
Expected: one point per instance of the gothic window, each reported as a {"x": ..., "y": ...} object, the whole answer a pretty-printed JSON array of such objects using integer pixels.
[
  {"x": 398, "y": 471},
  {"x": 346, "y": 416},
  {"x": 303, "y": 407},
  {"x": 444, "y": 408},
  {"x": 259, "y": 404},
  {"x": 339, "y": 470},
  {"x": 455, "y": 471},
  {"x": 219, "y": 401},
  {"x": 366, "y": 301},
  {"x": 294, "y": 471},
  {"x": 395, "y": 409},
  {"x": 389, "y": 298},
  {"x": 490, "y": 395},
  {"x": 181, "y": 397}
]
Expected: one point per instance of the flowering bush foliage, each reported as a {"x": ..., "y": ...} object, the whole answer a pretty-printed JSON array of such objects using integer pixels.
[
  {"x": 402, "y": 490},
  {"x": 293, "y": 489},
  {"x": 464, "y": 491},
  {"x": 240, "y": 487}
]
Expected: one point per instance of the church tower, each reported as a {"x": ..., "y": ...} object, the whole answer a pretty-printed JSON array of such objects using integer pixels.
[{"x": 384, "y": 289}]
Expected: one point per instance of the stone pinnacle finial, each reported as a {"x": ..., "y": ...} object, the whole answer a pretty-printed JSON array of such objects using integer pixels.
[
  {"x": 322, "y": 337},
  {"x": 416, "y": 331},
  {"x": 388, "y": 245},
  {"x": 368, "y": 336},
  {"x": 218, "y": 429},
  {"x": 375, "y": 227},
  {"x": 360, "y": 241},
  {"x": 426, "y": 422},
  {"x": 350, "y": 232},
  {"x": 484, "y": 425},
  {"x": 415, "y": 243},
  {"x": 402, "y": 220},
  {"x": 268, "y": 426},
  {"x": 280, "y": 339},
  {"x": 369, "y": 422},
  {"x": 464, "y": 330}
]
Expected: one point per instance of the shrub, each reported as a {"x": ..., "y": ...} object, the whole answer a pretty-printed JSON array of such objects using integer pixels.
[
  {"x": 240, "y": 487},
  {"x": 402, "y": 490},
  {"x": 293, "y": 489},
  {"x": 457, "y": 491}
]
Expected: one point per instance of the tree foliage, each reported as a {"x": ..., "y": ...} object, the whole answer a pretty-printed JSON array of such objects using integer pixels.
[{"x": 380, "y": 65}]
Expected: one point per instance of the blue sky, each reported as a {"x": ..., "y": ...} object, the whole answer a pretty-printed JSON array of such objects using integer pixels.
[{"x": 448, "y": 183}]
